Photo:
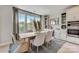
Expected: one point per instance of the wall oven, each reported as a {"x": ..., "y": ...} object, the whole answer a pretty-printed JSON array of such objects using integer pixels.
[{"x": 73, "y": 28}]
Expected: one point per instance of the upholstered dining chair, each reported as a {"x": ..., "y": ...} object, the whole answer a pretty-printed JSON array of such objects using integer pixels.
[
  {"x": 39, "y": 40},
  {"x": 48, "y": 37}
]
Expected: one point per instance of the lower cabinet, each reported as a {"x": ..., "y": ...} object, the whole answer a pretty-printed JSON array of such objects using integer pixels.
[
  {"x": 73, "y": 39},
  {"x": 57, "y": 34},
  {"x": 60, "y": 34},
  {"x": 63, "y": 34}
]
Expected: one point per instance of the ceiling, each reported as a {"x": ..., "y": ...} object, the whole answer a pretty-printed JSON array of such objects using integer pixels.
[{"x": 44, "y": 9}]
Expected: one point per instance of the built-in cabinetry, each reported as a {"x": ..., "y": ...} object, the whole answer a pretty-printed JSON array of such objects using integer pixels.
[
  {"x": 63, "y": 34},
  {"x": 47, "y": 21},
  {"x": 63, "y": 21},
  {"x": 57, "y": 33},
  {"x": 63, "y": 26},
  {"x": 72, "y": 14}
]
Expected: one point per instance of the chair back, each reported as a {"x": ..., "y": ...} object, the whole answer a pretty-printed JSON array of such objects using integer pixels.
[
  {"x": 39, "y": 39},
  {"x": 48, "y": 36},
  {"x": 14, "y": 38}
]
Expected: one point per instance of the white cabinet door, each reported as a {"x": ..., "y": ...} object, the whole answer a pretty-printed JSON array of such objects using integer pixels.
[
  {"x": 73, "y": 39},
  {"x": 57, "y": 34},
  {"x": 69, "y": 16},
  {"x": 63, "y": 34}
]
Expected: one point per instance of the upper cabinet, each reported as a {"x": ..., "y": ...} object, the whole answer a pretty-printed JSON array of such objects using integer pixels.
[
  {"x": 47, "y": 21},
  {"x": 63, "y": 18},
  {"x": 72, "y": 14},
  {"x": 63, "y": 21}
]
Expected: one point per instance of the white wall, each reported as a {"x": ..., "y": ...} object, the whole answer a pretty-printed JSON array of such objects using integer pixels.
[
  {"x": 0, "y": 25},
  {"x": 6, "y": 23}
]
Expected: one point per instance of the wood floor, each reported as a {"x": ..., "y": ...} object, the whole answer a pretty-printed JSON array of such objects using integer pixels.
[{"x": 69, "y": 48}]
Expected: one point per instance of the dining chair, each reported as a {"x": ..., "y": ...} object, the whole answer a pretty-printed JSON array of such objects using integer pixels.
[
  {"x": 39, "y": 40},
  {"x": 22, "y": 45},
  {"x": 15, "y": 41},
  {"x": 13, "y": 38},
  {"x": 48, "y": 37}
]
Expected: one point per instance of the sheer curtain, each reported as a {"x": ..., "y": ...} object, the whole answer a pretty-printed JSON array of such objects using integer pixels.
[{"x": 15, "y": 23}]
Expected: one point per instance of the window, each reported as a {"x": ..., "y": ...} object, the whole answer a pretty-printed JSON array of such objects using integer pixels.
[
  {"x": 26, "y": 21},
  {"x": 21, "y": 18},
  {"x": 30, "y": 23}
]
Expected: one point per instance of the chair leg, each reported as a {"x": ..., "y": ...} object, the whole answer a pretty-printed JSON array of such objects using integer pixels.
[
  {"x": 37, "y": 49},
  {"x": 31, "y": 47},
  {"x": 47, "y": 45}
]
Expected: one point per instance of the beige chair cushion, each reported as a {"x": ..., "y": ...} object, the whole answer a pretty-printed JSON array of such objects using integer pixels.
[{"x": 23, "y": 47}]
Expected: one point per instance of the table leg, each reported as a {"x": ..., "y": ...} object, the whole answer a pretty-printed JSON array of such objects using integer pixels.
[{"x": 30, "y": 48}]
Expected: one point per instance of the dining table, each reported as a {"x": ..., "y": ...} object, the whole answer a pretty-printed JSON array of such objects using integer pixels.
[{"x": 29, "y": 35}]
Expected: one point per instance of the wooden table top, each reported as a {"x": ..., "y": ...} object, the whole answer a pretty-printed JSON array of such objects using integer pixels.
[{"x": 27, "y": 35}]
